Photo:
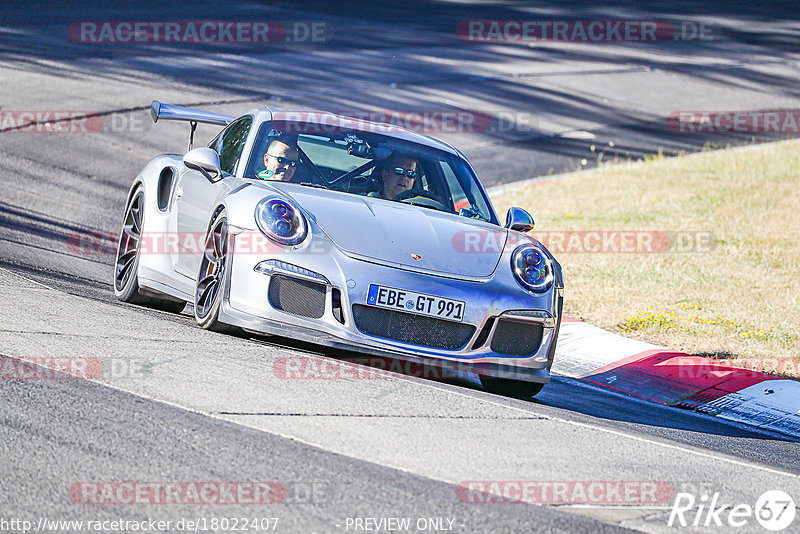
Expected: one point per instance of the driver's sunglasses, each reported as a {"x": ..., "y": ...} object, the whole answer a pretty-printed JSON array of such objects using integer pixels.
[
  {"x": 284, "y": 161},
  {"x": 400, "y": 171}
]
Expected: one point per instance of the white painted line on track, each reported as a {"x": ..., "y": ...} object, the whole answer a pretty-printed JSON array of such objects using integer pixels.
[{"x": 12, "y": 273}]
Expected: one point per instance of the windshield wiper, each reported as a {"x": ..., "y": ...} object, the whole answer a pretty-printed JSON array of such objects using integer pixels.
[{"x": 312, "y": 184}]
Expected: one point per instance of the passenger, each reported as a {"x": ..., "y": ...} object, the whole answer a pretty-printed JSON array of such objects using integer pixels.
[{"x": 280, "y": 161}]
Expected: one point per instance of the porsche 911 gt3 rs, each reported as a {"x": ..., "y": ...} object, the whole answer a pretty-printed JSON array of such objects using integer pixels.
[{"x": 290, "y": 223}]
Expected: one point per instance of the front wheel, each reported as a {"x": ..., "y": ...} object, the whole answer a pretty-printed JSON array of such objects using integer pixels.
[
  {"x": 126, "y": 266},
  {"x": 510, "y": 388},
  {"x": 212, "y": 277}
]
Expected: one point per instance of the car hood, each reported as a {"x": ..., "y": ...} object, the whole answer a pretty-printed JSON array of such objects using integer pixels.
[{"x": 397, "y": 233}]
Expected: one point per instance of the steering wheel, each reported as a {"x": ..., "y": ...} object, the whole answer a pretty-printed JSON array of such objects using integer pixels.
[
  {"x": 367, "y": 182},
  {"x": 411, "y": 193}
]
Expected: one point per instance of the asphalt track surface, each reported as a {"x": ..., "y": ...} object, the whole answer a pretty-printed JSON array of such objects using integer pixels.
[{"x": 178, "y": 404}]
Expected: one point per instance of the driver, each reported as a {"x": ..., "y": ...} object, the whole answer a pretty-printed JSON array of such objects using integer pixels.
[
  {"x": 280, "y": 161},
  {"x": 399, "y": 173}
]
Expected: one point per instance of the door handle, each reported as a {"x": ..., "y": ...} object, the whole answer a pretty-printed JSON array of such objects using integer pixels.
[{"x": 178, "y": 192}]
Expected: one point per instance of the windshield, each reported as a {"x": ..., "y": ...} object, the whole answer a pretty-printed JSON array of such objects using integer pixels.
[{"x": 366, "y": 163}]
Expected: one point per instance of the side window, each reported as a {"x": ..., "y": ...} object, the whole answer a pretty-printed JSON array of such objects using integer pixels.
[
  {"x": 230, "y": 143},
  {"x": 457, "y": 193},
  {"x": 464, "y": 191}
]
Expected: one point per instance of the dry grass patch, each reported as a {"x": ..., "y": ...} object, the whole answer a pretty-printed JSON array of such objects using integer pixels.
[{"x": 737, "y": 300}]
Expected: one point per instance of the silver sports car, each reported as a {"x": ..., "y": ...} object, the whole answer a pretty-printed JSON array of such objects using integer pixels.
[{"x": 345, "y": 233}]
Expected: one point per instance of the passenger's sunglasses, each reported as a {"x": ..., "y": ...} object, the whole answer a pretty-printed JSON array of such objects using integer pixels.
[
  {"x": 400, "y": 171},
  {"x": 284, "y": 161}
]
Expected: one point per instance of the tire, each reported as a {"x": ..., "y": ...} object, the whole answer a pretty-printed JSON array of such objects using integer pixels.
[
  {"x": 510, "y": 388},
  {"x": 126, "y": 264},
  {"x": 212, "y": 277}
]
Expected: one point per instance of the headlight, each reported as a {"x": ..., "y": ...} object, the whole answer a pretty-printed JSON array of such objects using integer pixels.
[
  {"x": 280, "y": 221},
  {"x": 532, "y": 267}
]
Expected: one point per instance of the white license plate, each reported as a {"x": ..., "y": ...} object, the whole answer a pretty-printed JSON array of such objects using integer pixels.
[{"x": 419, "y": 303}]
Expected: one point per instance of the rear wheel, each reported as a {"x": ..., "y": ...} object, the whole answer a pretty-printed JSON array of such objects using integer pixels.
[
  {"x": 510, "y": 388},
  {"x": 126, "y": 266},
  {"x": 212, "y": 277}
]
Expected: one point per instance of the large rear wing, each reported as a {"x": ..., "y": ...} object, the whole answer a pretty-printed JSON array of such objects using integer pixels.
[{"x": 168, "y": 112}]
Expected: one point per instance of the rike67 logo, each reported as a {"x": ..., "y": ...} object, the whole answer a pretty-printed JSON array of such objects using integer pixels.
[{"x": 774, "y": 510}]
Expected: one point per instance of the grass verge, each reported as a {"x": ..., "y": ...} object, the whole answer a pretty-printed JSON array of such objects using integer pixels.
[{"x": 699, "y": 253}]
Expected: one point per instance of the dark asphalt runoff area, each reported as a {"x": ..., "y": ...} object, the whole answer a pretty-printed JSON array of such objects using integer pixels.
[{"x": 183, "y": 406}]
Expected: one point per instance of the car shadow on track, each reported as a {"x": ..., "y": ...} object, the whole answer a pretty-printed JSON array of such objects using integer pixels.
[{"x": 561, "y": 394}]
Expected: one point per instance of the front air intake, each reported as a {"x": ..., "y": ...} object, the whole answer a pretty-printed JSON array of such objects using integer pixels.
[
  {"x": 517, "y": 338},
  {"x": 298, "y": 297}
]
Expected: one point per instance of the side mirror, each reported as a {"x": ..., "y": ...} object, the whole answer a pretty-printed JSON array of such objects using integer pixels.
[
  {"x": 204, "y": 160},
  {"x": 518, "y": 219}
]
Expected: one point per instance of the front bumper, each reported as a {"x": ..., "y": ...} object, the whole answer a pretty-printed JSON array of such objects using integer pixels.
[{"x": 246, "y": 305}]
